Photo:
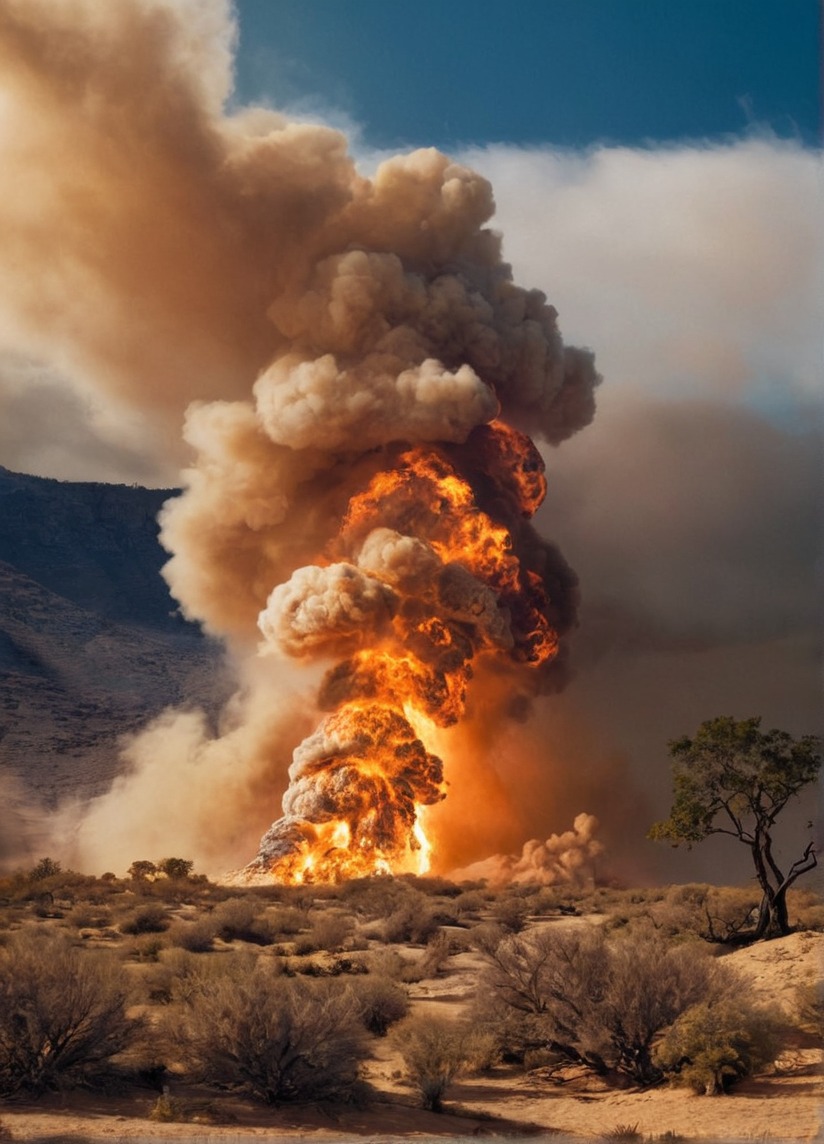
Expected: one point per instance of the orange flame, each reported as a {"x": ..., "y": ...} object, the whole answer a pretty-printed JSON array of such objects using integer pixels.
[{"x": 360, "y": 783}]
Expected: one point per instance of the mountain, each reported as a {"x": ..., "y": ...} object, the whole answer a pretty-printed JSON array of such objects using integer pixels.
[{"x": 91, "y": 643}]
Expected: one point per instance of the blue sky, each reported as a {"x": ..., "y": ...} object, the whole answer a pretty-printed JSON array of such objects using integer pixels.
[{"x": 571, "y": 73}]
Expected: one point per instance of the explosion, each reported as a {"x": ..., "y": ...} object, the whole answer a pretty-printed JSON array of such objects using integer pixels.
[
  {"x": 359, "y": 375},
  {"x": 425, "y": 585}
]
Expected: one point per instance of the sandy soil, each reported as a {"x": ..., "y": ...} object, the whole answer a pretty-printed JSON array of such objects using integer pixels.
[{"x": 784, "y": 1105}]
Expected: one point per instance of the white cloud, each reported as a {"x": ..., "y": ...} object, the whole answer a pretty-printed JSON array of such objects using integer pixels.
[{"x": 689, "y": 270}]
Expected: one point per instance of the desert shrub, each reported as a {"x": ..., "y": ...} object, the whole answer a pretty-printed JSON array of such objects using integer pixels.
[
  {"x": 380, "y": 1002},
  {"x": 718, "y": 914},
  {"x": 283, "y": 1039},
  {"x": 414, "y": 921},
  {"x": 547, "y": 900},
  {"x": 469, "y": 904},
  {"x": 433, "y": 885},
  {"x": 180, "y": 976},
  {"x": 45, "y": 868},
  {"x": 88, "y": 916},
  {"x": 712, "y": 1045},
  {"x": 510, "y": 913},
  {"x": 435, "y": 1050},
  {"x": 597, "y": 1001},
  {"x": 286, "y": 921},
  {"x": 238, "y": 919},
  {"x": 482, "y": 1051},
  {"x": 331, "y": 930},
  {"x": 807, "y": 908},
  {"x": 622, "y": 1134},
  {"x": 195, "y": 936},
  {"x": 59, "y": 887},
  {"x": 437, "y": 952},
  {"x": 62, "y": 1013},
  {"x": 167, "y": 1110},
  {"x": 147, "y": 948},
  {"x": 809, "y": 1000},
  {"x": 151, "y": 918},
  {"x": 385, "y": 962}
]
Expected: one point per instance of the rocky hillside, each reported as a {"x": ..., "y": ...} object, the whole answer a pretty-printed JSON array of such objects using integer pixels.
[{"x": 91, "y": 643}]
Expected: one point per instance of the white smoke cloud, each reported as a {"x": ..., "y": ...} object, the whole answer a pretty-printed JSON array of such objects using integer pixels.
[
  {"x": 566, "y": 859},
  {"x": 323, "y": 609}
]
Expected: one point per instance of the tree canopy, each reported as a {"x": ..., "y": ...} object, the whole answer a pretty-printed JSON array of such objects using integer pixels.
[{"x": 733, "y": 778}]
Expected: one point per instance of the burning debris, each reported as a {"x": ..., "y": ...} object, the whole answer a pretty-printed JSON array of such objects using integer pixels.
[{"x": 361, "y": 374}]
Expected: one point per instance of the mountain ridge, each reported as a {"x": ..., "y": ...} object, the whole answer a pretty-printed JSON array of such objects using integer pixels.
[{"x": 92, "y": 645}]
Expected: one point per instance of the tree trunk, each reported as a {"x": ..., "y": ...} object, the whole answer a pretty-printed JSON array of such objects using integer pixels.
[{"x": 773, "y": 920}]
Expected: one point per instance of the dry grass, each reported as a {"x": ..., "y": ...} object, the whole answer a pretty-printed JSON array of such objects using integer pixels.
[{"x": 396, "y": 948}]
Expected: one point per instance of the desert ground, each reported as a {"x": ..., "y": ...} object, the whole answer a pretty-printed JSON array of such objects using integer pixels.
[{"x": 781, "y": 1102}]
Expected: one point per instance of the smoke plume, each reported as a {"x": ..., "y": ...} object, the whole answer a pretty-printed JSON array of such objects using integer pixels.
[
  {"x": 357, "y": 375},
  {"x": 562, "y": 859}
]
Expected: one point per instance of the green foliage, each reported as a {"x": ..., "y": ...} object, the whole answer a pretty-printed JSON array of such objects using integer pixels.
[
  {"x": 712, "y": 1045},
  {"x": 732, "y": 776},
  {"x": 734, "y": 779},
  {"x": 62, "y": 1013}
]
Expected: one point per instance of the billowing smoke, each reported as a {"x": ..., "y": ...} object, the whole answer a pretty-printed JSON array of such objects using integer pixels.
[
  {"x": 358, "y": 373},
  {"x": 562, "y": 859}
]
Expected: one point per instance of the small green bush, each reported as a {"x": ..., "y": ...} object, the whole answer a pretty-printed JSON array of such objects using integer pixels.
[{"x": 710, "y": 1046}]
